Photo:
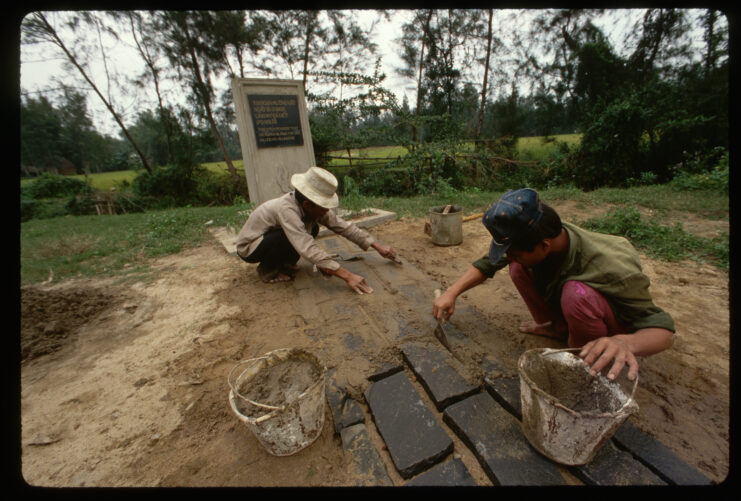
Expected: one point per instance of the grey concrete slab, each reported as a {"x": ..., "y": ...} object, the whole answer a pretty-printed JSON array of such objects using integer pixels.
[
  {"x": 496, "y": 439},
  {"x": 451, "y": 473},
  {"x": 227, "y": 238},
  {"x": 413, "y": 294},
  {"x": 612, "y": 466},
  {"x": 435, "y": 373},
  {"x": 345, "y": 411},
  {"x": 366, "y": 462},
  {"x": 386, "y": 370},
  {"x": 494, "y": 368},
  {"x": 376, "y": 217},
  {"x": 657, "y": 457},
  {"x": 506, "y": 391},
  {"x": 414, "y": 438}
]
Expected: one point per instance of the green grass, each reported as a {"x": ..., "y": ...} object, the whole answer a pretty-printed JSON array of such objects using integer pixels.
[
  {"x": 122, "y": 245},
  {"x": 704, "y": 203},
  {"x": 104, "y": 181},
  {"x": 668, "y": 243},
  {"x": 528, "y": 148},
  {"x": 108, "y": 245},
  {"x": 536, "y": 148}
]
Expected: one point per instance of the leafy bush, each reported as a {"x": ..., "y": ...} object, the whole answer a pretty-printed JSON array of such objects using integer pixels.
[
  {"x": 50, "y": 185},
  {"x": 218, "y": 188},
  {"x": 42, "y": 209},
  {"x": 164, "y": 187},
  {"x": 714, "y": 179},
  {"x": 388, "y": 182},
  {"x": 179, "y": 186}
]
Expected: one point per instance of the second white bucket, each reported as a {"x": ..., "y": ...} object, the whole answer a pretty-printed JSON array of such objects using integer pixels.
[
  {"x": 567, "y": 414},
  {"x": 446, "y": 229}
]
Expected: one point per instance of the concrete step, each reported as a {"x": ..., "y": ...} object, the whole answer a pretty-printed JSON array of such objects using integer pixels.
[
  {"x": 657, "y": 456},
  {"x": 496, "y": 438},
  {"x": 413, "y": 436},
  {"x": 611, "y": 466},
  {"x": 506, "y": 391},
  {"x": 345, "y": 411},
  {"x": 452, "y": 473},
  {"x": 433, "y": 367},
  {"x": 366, "y": 462}
]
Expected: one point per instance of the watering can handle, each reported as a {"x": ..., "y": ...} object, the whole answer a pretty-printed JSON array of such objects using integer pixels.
[
  {"x": 549, "y": 351},
  {"x": 236, "y": 392}
]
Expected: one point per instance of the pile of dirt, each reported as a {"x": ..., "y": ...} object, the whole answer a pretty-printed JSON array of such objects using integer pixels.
[{"x": 49, "y": 318}]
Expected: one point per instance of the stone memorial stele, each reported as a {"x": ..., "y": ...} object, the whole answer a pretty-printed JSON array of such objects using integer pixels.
[{"x": 274, "y": 134}]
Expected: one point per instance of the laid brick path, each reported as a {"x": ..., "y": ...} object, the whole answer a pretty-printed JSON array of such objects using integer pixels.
[{"x": 484, "y": 417}]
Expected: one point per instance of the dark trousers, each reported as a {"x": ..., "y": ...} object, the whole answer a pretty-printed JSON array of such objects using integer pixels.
[{"x": 275, "y": 249}]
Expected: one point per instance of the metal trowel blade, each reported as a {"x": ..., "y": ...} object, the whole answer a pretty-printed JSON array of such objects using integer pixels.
[{"x": 441, "y": 336}]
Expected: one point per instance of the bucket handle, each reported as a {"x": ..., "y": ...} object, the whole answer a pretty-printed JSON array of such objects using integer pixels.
[
  {"x": 236, "y": 392},
  {"x": 549, "y": 351}
]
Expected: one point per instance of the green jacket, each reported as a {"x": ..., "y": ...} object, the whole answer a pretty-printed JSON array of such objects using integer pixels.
[{"x": 608, "y": 264}]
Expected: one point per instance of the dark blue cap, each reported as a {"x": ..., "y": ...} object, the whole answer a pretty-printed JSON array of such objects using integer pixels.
[{"x": 516, "y": 213}]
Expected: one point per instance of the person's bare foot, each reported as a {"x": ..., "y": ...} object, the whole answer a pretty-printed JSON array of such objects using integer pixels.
[
  {"x": 280, "y": 277},
  {"x": 289, "y": 269},
  {"x": 546, "y": 329},
  {"x": 271, "y": 276}
]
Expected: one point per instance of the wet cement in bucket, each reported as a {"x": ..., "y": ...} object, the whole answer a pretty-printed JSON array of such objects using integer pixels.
[
  {"x": 566, "y": 379},
  {"x": 276, "y": 385}
]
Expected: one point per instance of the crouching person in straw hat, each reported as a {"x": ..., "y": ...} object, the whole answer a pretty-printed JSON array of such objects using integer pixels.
[
  {"x": 280, "y": 231},
  {"x": 579, "y": 285}
]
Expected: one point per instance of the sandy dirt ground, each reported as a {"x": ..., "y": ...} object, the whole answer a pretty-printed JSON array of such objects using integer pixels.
[{"x": 124, "y": 383}]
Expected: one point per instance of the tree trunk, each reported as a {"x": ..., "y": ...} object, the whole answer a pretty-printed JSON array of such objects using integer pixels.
[
  {"x": 202, "y": 93},
  {"x": 485, "y": 82},
  {"x": 73, "y": 60},
  {"x": 310, "y": 16},
  {"x": 425, "y": 34},
  {"x": 150, "y": 64}
]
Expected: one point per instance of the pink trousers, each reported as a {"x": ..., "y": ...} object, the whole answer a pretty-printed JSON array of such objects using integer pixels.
[{"x": 585, "y": 311}]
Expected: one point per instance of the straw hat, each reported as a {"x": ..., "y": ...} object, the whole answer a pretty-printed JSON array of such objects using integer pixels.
[{"x": 318, "y": 185}]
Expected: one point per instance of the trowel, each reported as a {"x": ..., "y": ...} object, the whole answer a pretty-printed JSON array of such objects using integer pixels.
[
  {"x": 345, "y": 256},
  {"x": 439, "y": 331}
]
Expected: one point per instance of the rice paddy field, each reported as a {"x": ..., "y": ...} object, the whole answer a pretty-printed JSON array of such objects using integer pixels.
[{"x": 529, "y": 148}]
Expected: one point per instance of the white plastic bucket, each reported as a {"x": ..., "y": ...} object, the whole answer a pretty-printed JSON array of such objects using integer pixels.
[
  {"x": 568, "y": 414},
  {"x": 293, "y": 419}
]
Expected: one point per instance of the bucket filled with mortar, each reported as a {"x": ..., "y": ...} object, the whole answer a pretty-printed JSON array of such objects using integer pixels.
[
  {"x": 280, "y": 398},
  {"x": 567, "y": 414}
]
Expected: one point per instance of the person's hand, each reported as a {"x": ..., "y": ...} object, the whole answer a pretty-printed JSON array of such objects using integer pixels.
[
  {"x": 443, "y": 306},
  {"x": 358, "y": 284},
  {"x": 385, "y": 250},
  {"x": 599, "y": 353}
]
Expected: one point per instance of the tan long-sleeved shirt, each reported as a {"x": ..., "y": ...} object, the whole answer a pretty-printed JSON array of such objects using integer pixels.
[{"x": 285, "y": 212}]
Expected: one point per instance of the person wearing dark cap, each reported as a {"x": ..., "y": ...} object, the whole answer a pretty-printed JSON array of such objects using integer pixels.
[
  {"x": 280, "y": 231},
  {"x": 583, "y": 286}
]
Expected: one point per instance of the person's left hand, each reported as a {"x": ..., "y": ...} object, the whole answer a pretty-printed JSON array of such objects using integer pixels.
[
  {"x": 385, "y": 250},
  {"x": 598, "y": 353}
]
